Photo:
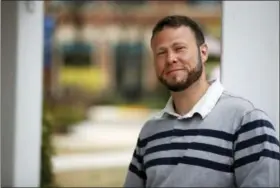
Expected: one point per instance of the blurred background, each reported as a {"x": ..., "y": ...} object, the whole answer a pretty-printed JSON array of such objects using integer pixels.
[{"x": 100, "y": 86}]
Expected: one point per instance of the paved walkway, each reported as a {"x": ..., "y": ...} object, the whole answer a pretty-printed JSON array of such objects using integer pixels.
[
  {"x": 100, "y": 135},
  {"x": 91, "y": 161},
  {"x": 106, "y": 127}
]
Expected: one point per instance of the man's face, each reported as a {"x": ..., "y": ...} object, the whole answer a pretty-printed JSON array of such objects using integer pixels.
[{"x": 178, "y": 60}]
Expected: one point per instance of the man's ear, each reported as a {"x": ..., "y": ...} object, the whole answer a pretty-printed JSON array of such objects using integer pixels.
[{"x": 204, "y": 52}]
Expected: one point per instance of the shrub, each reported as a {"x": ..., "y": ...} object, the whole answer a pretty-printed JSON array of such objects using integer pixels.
[{"x": 47, "y": 179}]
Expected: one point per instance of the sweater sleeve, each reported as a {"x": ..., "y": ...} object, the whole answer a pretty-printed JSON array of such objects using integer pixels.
[
  {"x": 136, "y": 176},
  {"x": 256, "y": 152}
]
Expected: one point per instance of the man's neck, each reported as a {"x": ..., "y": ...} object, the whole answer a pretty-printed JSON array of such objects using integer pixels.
[{"x": 185, "y": 100}]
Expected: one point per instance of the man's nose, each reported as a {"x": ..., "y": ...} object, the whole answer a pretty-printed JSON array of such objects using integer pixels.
[{"x": 171, "y": 58}]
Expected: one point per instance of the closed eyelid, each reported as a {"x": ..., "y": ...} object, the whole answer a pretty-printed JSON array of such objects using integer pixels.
[{"x": 160, "y": 51}]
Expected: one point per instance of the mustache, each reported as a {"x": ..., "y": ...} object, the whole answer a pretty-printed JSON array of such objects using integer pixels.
[{"x": 168, "y": 70}]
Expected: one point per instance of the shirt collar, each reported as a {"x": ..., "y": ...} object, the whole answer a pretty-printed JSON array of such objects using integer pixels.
[{"x": 203, "y": 106}]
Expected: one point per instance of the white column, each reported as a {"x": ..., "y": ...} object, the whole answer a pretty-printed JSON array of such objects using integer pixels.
[
  {"x": 250, "y": 58},
  {"x": 21, "y": 88}
]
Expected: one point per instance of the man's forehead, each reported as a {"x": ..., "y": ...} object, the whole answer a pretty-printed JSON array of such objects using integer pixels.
[{"x": 172, "y": 36}]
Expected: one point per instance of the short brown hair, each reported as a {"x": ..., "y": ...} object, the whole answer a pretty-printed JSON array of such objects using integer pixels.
[{"x": 175, "y": 21}]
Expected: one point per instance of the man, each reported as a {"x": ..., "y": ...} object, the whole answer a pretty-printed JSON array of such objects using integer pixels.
[{"x": 204, "y": 137}]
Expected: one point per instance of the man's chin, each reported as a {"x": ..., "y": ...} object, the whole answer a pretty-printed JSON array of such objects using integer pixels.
[
  {"x": 173, "y": 85},
  {"x": 176, "y": 87}
]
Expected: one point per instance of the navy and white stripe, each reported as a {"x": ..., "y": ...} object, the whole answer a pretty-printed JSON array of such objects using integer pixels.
[
  {"x": 174, "y": 152},
  {"x": 176, "y": 149},
  {"x": 256, "y": 152},
  {"x": 258, "y": 136},
  {"x": 220, "y": 153}
]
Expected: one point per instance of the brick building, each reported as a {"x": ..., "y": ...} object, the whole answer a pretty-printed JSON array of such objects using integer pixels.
[{"x": 115, "y": 36}]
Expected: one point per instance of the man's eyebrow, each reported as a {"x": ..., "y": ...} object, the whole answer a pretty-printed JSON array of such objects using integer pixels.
[
  {"x": 179, "y": 43},
  {"x": 162, "y": 48}
]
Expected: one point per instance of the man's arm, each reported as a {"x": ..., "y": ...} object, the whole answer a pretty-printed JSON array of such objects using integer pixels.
[
  {"x": 256, "y": 152},
  {"x": 136, "y": 176}
]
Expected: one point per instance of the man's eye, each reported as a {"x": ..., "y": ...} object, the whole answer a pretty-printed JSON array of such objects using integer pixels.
[
  {"x": 160, "y": 53},
  {"x": 179, "y": 48}
]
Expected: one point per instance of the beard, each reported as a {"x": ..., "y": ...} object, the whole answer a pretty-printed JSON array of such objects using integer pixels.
[{"x": 190, "y": 78}]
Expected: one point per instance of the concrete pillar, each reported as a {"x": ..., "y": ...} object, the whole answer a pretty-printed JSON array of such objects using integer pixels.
[
  {"x": 21, "y": 89},
  {"x": 250, "y": 57}
]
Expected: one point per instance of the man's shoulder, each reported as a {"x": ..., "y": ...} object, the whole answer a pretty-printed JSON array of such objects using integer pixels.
[
  {"x": 236, "y": 102},
  {"x": 242, "y": 106}
]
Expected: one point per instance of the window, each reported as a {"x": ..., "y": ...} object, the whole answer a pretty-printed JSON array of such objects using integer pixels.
[
  {"x": 77, "y": 54},
  {"x": 129, "y": 66}
]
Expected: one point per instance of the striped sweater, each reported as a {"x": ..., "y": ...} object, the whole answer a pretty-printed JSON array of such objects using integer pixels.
[{"x": 235, "y": 145}]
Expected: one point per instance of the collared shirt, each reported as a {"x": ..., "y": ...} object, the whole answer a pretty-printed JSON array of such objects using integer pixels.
[{"x": 203, "y": 106}]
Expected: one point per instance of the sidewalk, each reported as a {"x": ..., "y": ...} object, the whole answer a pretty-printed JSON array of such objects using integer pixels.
[
  {"x": 99, "y": 135},
  {"x": 106, "y": 127},
  {"x": 91, "y": 161}
]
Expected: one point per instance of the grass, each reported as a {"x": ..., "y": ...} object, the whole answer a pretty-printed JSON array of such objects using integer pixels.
[
  {"x": 109, "y": 177},
  {"x": 88, "y": 78}
]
